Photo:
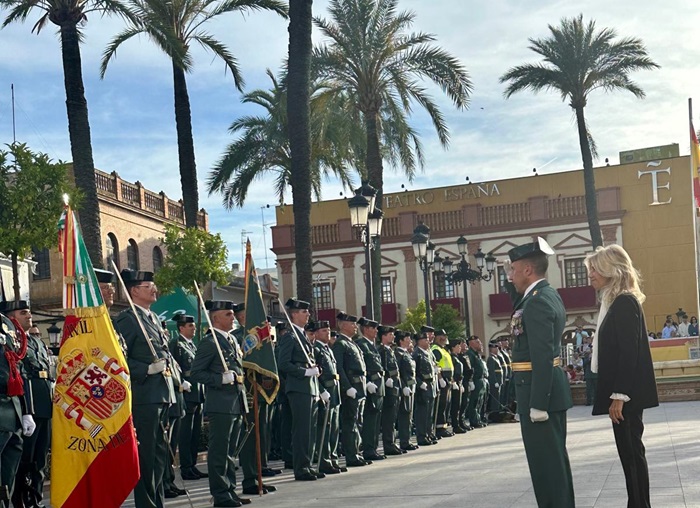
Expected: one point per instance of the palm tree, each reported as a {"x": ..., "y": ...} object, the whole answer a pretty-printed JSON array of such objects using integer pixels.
[
  {"x": 579, "y": 59},
  {"x": 373, "y": 57},
  {"x": 174, "y": 25},
  {"x": 298, "y": 128},
  {"x": 69, "y": 16},
  {"x": 263, "y": 146}
]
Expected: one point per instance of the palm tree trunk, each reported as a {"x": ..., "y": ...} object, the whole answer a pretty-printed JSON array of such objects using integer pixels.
[
  {"x": 375, "y": 173},
  {"x": 588, "y": 180},
  {"x": 80, "y": 144},
  {"x": 300, "y": 15},
  {"x": 185, "y": 148}
]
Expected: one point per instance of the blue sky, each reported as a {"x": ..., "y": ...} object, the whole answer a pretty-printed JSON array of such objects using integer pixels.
[{"x": 132, "y": 118}]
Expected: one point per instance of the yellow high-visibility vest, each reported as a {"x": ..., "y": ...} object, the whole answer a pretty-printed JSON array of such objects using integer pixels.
[{"x": 445, "y": 362}]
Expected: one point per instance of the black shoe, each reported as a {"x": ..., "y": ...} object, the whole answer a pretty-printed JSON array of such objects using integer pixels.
[
  {"x": 242, "y": 500},
  {"x": 199, "y": 473},
  {"x": 178, "y": 491},
  {"x": 306, "y": 477},
  {"x": 444, "y": 433},
  {"x": 330, "y": 470},
  {"x": 189, "y": 474},
  {"x": 342, "y": 469},
  {"x": 170, "y": 494},
  {"x": 460, "y": 430},
  {"x": 229, "y": 502},
  {"x": 425, "y": 443},
  {"x": 409, "y": 447},
  {"x": 253, "y": 489},
  {"x": 268, "y": 471},
  {"x": 392, "y": 450},
  {"x": 374, "y": 456},
  {"x": 356, "y": 463},
  {"x": 366, "y": 461},
  {"x": 318, "y": 474}
]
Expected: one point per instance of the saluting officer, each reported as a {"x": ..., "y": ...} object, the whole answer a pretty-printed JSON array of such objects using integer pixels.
[
  {"x": 444, "y": 362},
  {"x": 495, "y": 377},
  {"x": 296, "y": 361},
  {"x": 407, "y": 374},
  {"x": 426, "y": 391},
  {"x": 329, "y": 382},
  {"x": 151, "y": 385},
  {"x": 225, "y": 403},
  {"x": 456, "y": 386},
  {"x": 392, "y": 382},
  {"x": 38, "y": 392},
  {"x": 372, "y": 414},
  {"x": 476, "y": 396},
  {"x": 352, "y": 372},
  {"x": 184, "y": 350}
]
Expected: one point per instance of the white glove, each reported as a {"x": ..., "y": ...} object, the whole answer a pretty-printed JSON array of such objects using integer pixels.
[
  {"x": 351, "y": 392},
  {"x": 312, "y": 372},
  {"x": 471, "y": 386},
  {"x": 496, "y": 385},
  {"x": 325, "y": 396},
  {"x": 454, "y": 386},
  {"x": 406, "y": 391},
  {"x": 538, "y": 416},
  {"x": 442, "y": 383},
  {"x": 389, "y": 382},
  {"x": 371, "y": 387},
  {"x": 157, "y": 367},
  {"x": 28, "y": 425},
  {"x": 187, "y": 386},
  {"x": 423, "y": 386},
  {"x": 227, "y": 378},
  {"x": 461, "y": 389}
]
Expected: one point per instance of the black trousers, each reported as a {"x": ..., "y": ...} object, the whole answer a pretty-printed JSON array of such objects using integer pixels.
[
  {"x": 35, "y": 450},
  {"x": 190, "y": 431},
  {"x": 304, "y": 415},
  {"x": 628, "y": 438}
]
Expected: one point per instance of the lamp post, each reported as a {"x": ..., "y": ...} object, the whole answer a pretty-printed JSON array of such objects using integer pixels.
[
  {"x": 368, "y": 218},
  {"x": 424, "y": 250},
  {"x": 464, "y": 272},
  {"x": 54, "y": 338}
]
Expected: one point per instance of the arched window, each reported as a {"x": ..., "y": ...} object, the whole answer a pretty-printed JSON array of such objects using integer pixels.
[
  {"x": 111, "y": 252},
  {"x": 157, "y": 259},
  {"x": 132, "y": 255}
]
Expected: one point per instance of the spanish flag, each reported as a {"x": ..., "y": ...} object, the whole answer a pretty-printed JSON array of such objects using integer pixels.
[
  {"x": 94, "y": 453},
  {"x": 695, "y": 163}
]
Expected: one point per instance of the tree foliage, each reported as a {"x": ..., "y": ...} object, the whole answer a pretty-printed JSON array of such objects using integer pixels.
[
  {"x": 31, "y": 201},
  {"x": 447, "y": 317},
  {"x": 415, "y": 318},
  {"x": 192, "y": 255}
]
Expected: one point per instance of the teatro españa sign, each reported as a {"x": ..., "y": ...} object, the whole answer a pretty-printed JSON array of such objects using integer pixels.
[{"x": 427, "y": 197}]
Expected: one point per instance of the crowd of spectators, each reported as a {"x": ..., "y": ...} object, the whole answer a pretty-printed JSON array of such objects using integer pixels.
[{"x": 688, "y": 327}]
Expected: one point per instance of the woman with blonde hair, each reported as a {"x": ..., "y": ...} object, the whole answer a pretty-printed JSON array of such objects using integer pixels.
[{"x": 622, "y": 359}]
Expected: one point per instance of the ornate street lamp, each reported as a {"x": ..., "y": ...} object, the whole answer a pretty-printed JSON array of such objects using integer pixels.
[
  {"x": 368, "y": 218},
  {"x": 463, "y": 272},
  {"x": 54, "y": 337},
  {"x": 424, "y": 250}
]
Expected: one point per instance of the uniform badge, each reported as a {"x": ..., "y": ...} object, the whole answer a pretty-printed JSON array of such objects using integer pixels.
[{"x": 516, "y": 323}]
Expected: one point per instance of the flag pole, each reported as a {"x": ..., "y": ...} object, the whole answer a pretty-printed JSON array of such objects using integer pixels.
[
  {"x": 257, "y": 434},
  {"x": 211, "y": 328},
  {"x": 694, "y": 154}
]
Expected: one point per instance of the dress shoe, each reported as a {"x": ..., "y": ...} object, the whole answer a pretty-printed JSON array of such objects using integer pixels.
[
  {"x": 373, "y": 456},
  {"x": 433, "y": 437},
  {"x": 342, "y": 469},
  {"x": 242, "y": 500},
  {"x": 306, "y": 477},
  {"x": 460, "y": 430},
  {"x": 479, "y": 425},
  {"x": 317, "y": 474},
  {"x": 392, "y": 450},
  {"x": 409, "y": 447},
  {"x": 178, "y": 491},
  {"x": 444, "y": 433},
  {"x": 199, "y": 473},
  {"x": 253, "y": 489},
  {"x": 356, "y": 463},
  {"x": 425, "y": 443},
  {"x": 170, "y": 494},
  {"x": 189, "y": 474},
  {"x": 330, "y": 470},
  {"x": 228, "y": 502},
  {"x": 268, "y": 471}
]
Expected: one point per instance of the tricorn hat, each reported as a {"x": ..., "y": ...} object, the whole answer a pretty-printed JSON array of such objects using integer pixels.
[
  {"x": 135, "y": 277},
  {"x": 181, "y": 318},
  {"x": 212, "y": 305},
  {"x": 540, "y": 246},
  {"x": 12, "y": 305},
  {"x": 426, "y": 329},
  {"x": 240, "y": 307},
  {"x": 382, "y": 329},
  {"x": 295, "y": 304},
  {"x": 342, "y": 316},
  {"x": 363, "y": 321},
  {"x": 104, "y": 276}
]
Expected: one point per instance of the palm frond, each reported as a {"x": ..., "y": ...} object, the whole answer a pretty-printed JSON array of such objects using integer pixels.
[{"x": 209, "y": 42}]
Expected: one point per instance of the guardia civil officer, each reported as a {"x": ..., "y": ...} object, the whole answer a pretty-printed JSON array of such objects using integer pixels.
[
  {"x": 352, "y": 372},
  {"x": 392, "y": 383},
  {"x": 493, "y": 363},
  {"x": 151, "y": 385},
  {"x": 372, "y": 414},
  {"x": 456, "y": 386},
  {"x": 476, "y": 396},
  {"x": 542, "y": 391},
  {"x": 225, "y": 403},
  {"x": 14, "y": 418},
  {"x": 176, "y": 412},
  {"x": 426, "y": 391},
  {"x": 407, "y": 374},
  {"x": 38, "y": 398},
  {"x": 507, "y": 386},
  {"x": 443, "y": 359},
  {"x": 329, "y": 384},
  {"x": 467, "y": 384},
  {"x": 184, "y": 350},
  {"x": 296, "y": 361}
]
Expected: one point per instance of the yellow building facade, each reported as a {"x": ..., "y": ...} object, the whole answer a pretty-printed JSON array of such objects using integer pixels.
[{"x": 645, "y": 206}]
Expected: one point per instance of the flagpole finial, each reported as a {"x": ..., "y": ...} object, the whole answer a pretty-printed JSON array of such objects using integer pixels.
[{"x": 66, "y": 199}]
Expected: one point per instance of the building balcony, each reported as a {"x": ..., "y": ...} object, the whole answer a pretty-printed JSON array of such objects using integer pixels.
[
  {"x": 580, "y": 298},
  {"x": 455, "y": 303},
  {"x": 391, "y": 313},
  {"x": 327, "y": 315},
  {"x": 500, "y": 305}
]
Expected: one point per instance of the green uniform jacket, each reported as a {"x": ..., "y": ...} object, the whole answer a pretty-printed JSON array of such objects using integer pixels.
[
  {"x": 477, "y": 365},
  {"x": 391, "y": 369},
  {"x": 184, "y": 351},
  {"x": 495, "y": 369},
  {"x": 351, "y": 365},
  {"x": 147, "y": 389},
  {"x": 542, "y": 317},
  {"x": 38, "y": 385},
  {"x": 373, "y": 362},
  {"x": 293, "y": 362},
  {"x": 425, "y": 371},
  {"x": 208, "y": 370},
  {"x": 459, "y": 368},
  {"x": 329, "y": 380}
]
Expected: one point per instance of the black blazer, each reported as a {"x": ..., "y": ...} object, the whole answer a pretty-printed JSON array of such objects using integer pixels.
[{"x": 624, "y": 358}]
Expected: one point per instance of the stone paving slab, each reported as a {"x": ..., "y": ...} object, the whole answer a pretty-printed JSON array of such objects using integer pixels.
[{"x": 486, "y": 468}]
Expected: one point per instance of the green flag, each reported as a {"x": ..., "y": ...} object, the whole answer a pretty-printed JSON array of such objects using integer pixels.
[{"x": 258, "y": 355}]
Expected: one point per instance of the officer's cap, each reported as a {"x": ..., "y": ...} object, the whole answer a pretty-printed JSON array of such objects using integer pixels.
[
  {"x": 104, "y": 276},
  {"x": 363, "y": 321},
  {"x": 493, "y": 343},
  {"x": 212, "y": 305},
  {"x": 295, "y": 304},
  {"x": 426, "y": 329},
  {"x": 11, "y": 306},
  {"x": 342, "y": 316},
  {"x": 240, "y": 307},
  {"x": 455, "y": 342},
  {"x": 310, "y": 326},
  {"x": 419, "y": 336},
  {"x": 472, "y": 337},
  {"x": 181, "y": 318},
  {"x": 133, "y": 278},
  {"x": 399, "y": 335},
  {"x": 320, "y": 325},
  {"x": 540, "y": 246},
  {"x": 385, "y": 329},
  {"x": 440, "y": 331}
]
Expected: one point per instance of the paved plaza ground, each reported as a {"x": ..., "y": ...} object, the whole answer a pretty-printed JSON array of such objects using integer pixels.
[{"x": 487, "y": 468}]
